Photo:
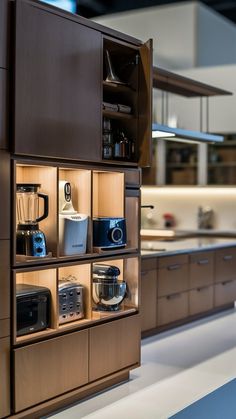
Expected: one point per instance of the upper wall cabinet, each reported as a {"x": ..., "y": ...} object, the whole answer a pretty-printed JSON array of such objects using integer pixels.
[
  {"x": 82, "y": 91},
  {"x": 57, "y": 85},
  {"x": 4, "y": 32}
]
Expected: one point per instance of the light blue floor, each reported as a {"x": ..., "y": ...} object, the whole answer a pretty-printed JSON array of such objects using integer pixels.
[
  {"x": 220, "y": 404},
  {"x": 178, "y": 368}
]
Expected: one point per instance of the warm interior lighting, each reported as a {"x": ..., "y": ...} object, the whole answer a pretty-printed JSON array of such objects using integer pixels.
[
  {"x": 161, "y": 134},
  {"x": 182, "y": 135}
]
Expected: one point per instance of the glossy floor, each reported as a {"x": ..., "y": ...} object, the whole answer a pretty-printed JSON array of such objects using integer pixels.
[{"x": 178, "y": 368}]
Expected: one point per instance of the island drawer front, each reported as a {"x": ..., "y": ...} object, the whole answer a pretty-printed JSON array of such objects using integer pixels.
[
  {"x": 47, "y": 369},
  {"x": 114, "y": 346},
  {"x": 169, "y": 261},
  {"x": 172, "y": 279},
  {"x": 201, "y": 269},
  {"x": 148, "y": 264},
  {"x": 172, "y": 308},
  {"x": 225, "y": 292},
  {"x": 200, "y": 300},
  {"x": 225, "y": 264}
]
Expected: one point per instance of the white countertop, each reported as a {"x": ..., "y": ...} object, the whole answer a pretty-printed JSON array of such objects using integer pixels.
[{"x": 155, "y": 248}]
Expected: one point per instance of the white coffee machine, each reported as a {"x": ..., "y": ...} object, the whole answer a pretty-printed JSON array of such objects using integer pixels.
[{"x": 73, "y": 226}]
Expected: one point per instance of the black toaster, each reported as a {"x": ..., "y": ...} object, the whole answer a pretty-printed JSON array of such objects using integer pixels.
[{"x": 71, "y": 305}]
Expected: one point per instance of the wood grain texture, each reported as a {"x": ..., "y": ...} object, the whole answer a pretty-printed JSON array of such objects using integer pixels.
[
  {"x": 114, "y": 346},
  {"x": 3, "y": 108},
  {"x": 225, "y": 264},
  {"x": 201, "y": 299},
  {"x": 148, "y": 307},
  {"x": 201, "y": 270},
  {"x": 4, "y": 32},
  {"x": 5, "y": 188},
  {"x": 4, "y": 328},
  {"x": 4, "y": 279},
  {"x": 173, "y": 279},
  {"x": 48, "y": 369},
  {"x": 172, "y": 308},
  {"x": 4, "y": 377},
  {"x": 145, "y": 105},
  {"x": 225, "y": 292},
  {"x": 57, "y": 86}
]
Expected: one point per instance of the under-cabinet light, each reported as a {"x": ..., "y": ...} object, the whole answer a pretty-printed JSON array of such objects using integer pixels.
[{"x": 182, "y": 135}]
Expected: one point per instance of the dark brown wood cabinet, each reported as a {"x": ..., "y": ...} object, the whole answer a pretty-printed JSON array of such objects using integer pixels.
[
  {"x": 148, "y": 308},
  {"x": 5, "y": 188},
  {"x": 4, "y": 33},
  {"x": 60, "y": 88},
  {"x": 4, "y": 374},
  {"x": 57, "y": 85},
  {"x": 189, "y": 286},
  {"x": 3, "y": 109},
  {"x": 51, "y": 124},
  {"x": 114, "y": 346},
  {"x": 5, "y": 279},
  {"x": 48, "y": 369},
  {"x": 173, "y": 276}
]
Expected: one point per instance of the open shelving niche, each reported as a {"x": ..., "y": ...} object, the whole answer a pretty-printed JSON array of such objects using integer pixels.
[
  {"x": 95, "y": 192},
  {"x": 124, "y": 59},
  {"x": 82, "y": 272}
]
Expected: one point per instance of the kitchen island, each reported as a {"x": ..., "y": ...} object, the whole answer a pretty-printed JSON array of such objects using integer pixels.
[{"x": 186, "y": 279}]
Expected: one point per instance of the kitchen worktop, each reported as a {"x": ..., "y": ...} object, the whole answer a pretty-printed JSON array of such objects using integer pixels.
[{"x": 155, "y": 248}]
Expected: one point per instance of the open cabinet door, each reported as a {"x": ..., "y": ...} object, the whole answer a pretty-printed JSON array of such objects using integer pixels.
[{"x": 145, "y": 105}]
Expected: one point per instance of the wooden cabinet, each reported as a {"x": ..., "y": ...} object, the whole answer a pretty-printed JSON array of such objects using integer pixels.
[
  {"x": 188, "y": 286},
  {"x": 4, "y": 32},
  {"x": 4, "y": 376},
  {"x": 114, "y": 346},
  {"x": 172, "y": 308},
  {"x": 173, "y": 275},
  {"x": 5, "y": 279},
  {"x": 225, "y": 292},
  {"x": 47, "y": 369},
  {"x": 5, "y": 189},
  {"x": 148, "y": 294},
  {"x": 225, "y": 264},
  {"x": 201, "y": 270},
  {"x": 60, "y": 77},
  {"x": 201, "y": 299},
  {"x": 3, "y": 109},
  {"x": 57, "y": 85}
]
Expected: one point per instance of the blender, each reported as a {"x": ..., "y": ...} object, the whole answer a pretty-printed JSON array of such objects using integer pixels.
[{"x": 30, "y": 241}]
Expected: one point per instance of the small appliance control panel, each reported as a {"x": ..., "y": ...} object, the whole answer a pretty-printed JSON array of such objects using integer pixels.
[{"x": 70, "y": 301}]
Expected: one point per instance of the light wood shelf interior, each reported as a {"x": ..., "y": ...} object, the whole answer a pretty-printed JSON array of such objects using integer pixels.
[{"x": 108, "y": 194}]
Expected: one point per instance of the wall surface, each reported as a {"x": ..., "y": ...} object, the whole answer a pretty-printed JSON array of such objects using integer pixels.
[
  {"x": 185, "y": 35},
  {"x": 221, "y": 108},
  {"x": 183, "y": 203}
]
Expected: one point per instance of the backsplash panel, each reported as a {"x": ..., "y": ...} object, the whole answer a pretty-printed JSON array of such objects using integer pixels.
[{"x": 183, "y": 203}]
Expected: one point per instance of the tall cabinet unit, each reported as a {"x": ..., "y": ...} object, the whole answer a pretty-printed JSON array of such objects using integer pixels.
[
  {"x": 65, "y": 108},
  {"x": 5, "y": 244}
]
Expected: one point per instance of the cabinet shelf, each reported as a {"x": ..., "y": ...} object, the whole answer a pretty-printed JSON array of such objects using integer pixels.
[
  {"x": 221, "y": 164},
  {"x": 114, "y": 87},
  {"x": 117, "y": 115},
  {"x": 181, "y": 165}
]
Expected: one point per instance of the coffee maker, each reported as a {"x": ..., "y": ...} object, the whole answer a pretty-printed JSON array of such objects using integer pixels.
[
  {"x": 30, "y": 241},
  {"x": 73, "y": 226}
]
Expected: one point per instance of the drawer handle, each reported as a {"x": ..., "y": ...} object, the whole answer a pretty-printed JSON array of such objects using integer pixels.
[
  {"x": 172, "y": 296},
  {"x": 227, "y": 282},
  {"x": 202, "y": 288},
  {"x": 173, "y": 267},
  {"x": 228, "y": 257},
  {"x": 203, "y": 262},
  {"x": 143, "y": 273}
]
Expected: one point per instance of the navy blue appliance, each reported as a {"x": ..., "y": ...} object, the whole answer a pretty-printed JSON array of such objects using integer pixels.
[{"x": 109, "y": 233}]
